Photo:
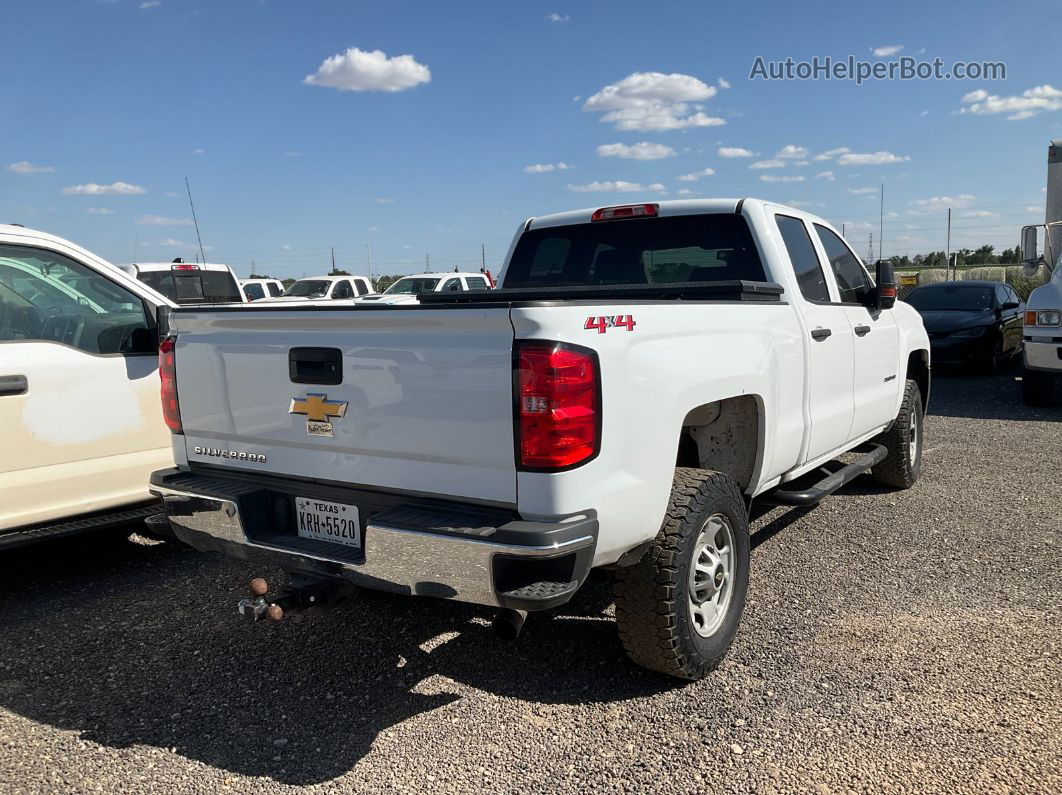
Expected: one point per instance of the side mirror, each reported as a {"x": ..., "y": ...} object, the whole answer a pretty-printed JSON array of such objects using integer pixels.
[
  {"x": 1008, "y": 305},
  {"x": 1028, "y": 243},
  {"x": 162, "y": 320},
  {"x": 885, "y": 294}
]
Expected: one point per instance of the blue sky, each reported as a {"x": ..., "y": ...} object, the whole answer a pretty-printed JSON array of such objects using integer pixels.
[{"x": 116, "y": 101}]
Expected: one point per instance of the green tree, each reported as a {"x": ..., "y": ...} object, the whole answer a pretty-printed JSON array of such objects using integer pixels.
[{"x": 338, "y": 272}]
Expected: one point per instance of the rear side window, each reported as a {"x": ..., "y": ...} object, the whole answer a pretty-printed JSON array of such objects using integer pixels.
[
  {"x": 361, "y": 287},
  {"x": 343, "y": 290},
  {"x": 476, "y": 283},
  {"x": 253, "y": 291},
  {"x": 687, "y": 248},
  {"x": 805, "y": 261},
  {"x": 194, "y": 287},
  {"x": 452, "y": 285},
  {"x": 852, "y": 280},
  {"x": 275, "y": 289}
]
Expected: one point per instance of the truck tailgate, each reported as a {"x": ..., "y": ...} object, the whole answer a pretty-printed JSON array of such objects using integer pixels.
[{"x": 428, "y": 394}]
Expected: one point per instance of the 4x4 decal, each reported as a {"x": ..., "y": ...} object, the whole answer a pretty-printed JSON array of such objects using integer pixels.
[{"x": 604, "y": 322}]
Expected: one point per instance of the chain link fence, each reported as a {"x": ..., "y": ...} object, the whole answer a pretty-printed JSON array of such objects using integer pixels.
[{"x": 1014, "y": 275}]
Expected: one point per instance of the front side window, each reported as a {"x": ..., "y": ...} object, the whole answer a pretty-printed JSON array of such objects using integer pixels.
[
  {"x": 809, "y": 274},
  {"x": 411, "y": 285},
  {"x": 852, "y": 280},
  {"x": 46, "y": 297},
  {"x": 675, "y": 249}
]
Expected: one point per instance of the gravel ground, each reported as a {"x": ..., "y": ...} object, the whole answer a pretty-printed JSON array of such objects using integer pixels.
[{"x": 900, "y": 642}]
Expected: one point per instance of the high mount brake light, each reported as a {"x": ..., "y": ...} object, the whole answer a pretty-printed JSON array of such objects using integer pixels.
[
  {"x": 558, "y": 397},
  {"x": 184, "y": 267},
  {"x": 626, "y": 211},
  {"x": 171, "y": 412}
]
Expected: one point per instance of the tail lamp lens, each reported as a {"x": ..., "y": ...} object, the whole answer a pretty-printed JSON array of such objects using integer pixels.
[
  {"x": 171, "y": 413},
  {"x": 559, "y": 405}
]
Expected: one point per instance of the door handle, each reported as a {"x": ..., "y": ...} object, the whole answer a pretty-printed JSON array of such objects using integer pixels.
[
  {"x": 862, "y": 330},
  {"x": 820, "y": 333},
  {"x": 13, "y": 385}
]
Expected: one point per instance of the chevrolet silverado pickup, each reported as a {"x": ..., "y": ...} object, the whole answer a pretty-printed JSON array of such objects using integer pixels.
[{"x": 642, "y": 374}]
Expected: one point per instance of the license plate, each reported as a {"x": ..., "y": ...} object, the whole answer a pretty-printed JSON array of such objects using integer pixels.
[{"x": 328, "y": 521}]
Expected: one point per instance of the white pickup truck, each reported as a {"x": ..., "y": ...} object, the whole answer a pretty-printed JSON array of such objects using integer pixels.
[{"x": 643, "y": 373}]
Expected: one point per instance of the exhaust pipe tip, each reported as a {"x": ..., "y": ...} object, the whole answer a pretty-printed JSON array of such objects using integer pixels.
[{"x": 508, "y": 623}]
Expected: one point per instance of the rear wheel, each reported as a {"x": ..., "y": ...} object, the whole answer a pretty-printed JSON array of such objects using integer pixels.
[
  {"x": 993, "y": 360},
  {"x": 1037, "y": 388},
  {"x": 902, "y": 466},
  {"x": 678, "y": 609}
]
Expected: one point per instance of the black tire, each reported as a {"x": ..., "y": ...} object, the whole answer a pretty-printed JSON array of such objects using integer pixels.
[
  {"x": 993, "y": 360},
  {"x": 654, "y": 607},
  {"x": 1037, "y": 388},
  {"x": 902, "y": 466}
]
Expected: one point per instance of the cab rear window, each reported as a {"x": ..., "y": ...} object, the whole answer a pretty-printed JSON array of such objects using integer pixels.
[
  {"x": 687, "y": 248},
  {"x": 194, "y": 287}
]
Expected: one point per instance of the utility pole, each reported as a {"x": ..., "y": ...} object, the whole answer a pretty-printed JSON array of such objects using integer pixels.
[
  {"x": 870, "y": 249},
  {"x": 842, "y": 230},
  {"x": 483, "y": 255},
  {"x": 333, "y": 259},
  {"x": 368, "y": 259},
  {"x": 947, "y": 251},
  {"x": 427, "y": 263},
  {"x": 881, "y": 221}
]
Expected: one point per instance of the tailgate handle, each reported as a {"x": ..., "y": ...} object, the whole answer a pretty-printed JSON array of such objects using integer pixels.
[{"x": 322, "y": 366}]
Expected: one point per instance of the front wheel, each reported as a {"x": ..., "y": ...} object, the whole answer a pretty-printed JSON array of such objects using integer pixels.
[
  {"x": 902, "y": 466},
  {"x": 678, "y": 608}
]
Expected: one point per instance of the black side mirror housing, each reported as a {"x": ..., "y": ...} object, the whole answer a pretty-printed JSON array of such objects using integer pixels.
[
  {"x": 1007, "y": 306},
  {"x": 885, "y": 293}
]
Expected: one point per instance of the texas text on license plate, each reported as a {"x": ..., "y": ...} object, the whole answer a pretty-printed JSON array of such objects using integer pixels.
[{"x": 328, "y": 521}]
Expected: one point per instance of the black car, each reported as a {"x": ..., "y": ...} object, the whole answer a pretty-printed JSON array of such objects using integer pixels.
[{"x": 979, "y": 321}]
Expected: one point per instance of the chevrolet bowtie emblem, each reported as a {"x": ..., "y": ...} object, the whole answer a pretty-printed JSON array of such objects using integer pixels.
[{"x": 319, "y": 410}]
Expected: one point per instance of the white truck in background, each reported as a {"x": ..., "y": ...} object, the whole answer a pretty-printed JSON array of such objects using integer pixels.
[
  {"x": 644, "y": 373},
  {"x": 81, "y": 424},
  {"x": 1043, "y": 310},
  {"x": 408, "y": 289},
  {"x": 325, "y": 288},
  {"x": 190, "y": 282}
]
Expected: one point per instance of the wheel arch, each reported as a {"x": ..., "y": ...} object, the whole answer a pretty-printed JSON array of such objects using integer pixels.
[{"x": 727, "y": 436}]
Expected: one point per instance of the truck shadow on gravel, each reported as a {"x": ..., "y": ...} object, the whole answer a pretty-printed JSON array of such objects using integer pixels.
[{"x": 140, "y": 645}]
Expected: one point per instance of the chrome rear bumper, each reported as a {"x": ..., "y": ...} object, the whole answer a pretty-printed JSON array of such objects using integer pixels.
[{"x": 479, "y": 568}]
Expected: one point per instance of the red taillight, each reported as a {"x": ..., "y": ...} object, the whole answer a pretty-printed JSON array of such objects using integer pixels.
[
  {"x": 168, "y": 376},
  {"x": 559, "y": 405},
  {"x": 626, "y": 211}
]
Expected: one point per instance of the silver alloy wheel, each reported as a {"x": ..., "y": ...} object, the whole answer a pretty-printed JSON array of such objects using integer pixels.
[
  {"x": 711, "y": 575},
  {"x": 912, "y": 445}
]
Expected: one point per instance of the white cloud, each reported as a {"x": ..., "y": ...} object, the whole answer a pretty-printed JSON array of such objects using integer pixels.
[
  {"x": 639, "y": 151},
  {"x": 357, "y": 70},
  {"x": 617, "y": 186},
  {"x": 172, "y": 194},
  {"x": 169, "y": 242},
  {"x": 1033, "y": 209},
  {"x": 114, "y": 189},
  {"x": 977, "y": 214},
  {"x": 924, "y": 113},
  {"x": 292, "y": 153},
  {"x": 870, "y": 159},
  {"x": 801, "y": 163},
  {"x": 862, "y": 191},
  {"x": 26, "y": 167},
  {"x": 723, "y": 83},
  {"x": 542, "y": 168},
  {"x": 735, "y": 151},
  {"x": 100, "y": 211},
  {"x": 830, "y": 154},
  {"x": 886, "y": 50},
  {"x": 384, "y": 200},
  {"x": 772, "y": 163},
  {"x": 696, "y": 175},
  {"x": 684, "y": 192},
  {"x": 162, "y": 220},
  {"x": 150, "y": 4},
  {"x": 198, "y": 151},
  {"x": 555, "y": 17},
  {"x": 779, "y": 178},
  {"x": 1024, "y": 106},
  {"x": 794, "y": 203},
  {"x": 942, "y": 202},
  {"x": 647, "y": 101},
  {"x": 826, "y": 175},
  {"x": 286, "y": 247},
  {"x": 792, "y": 151}
]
